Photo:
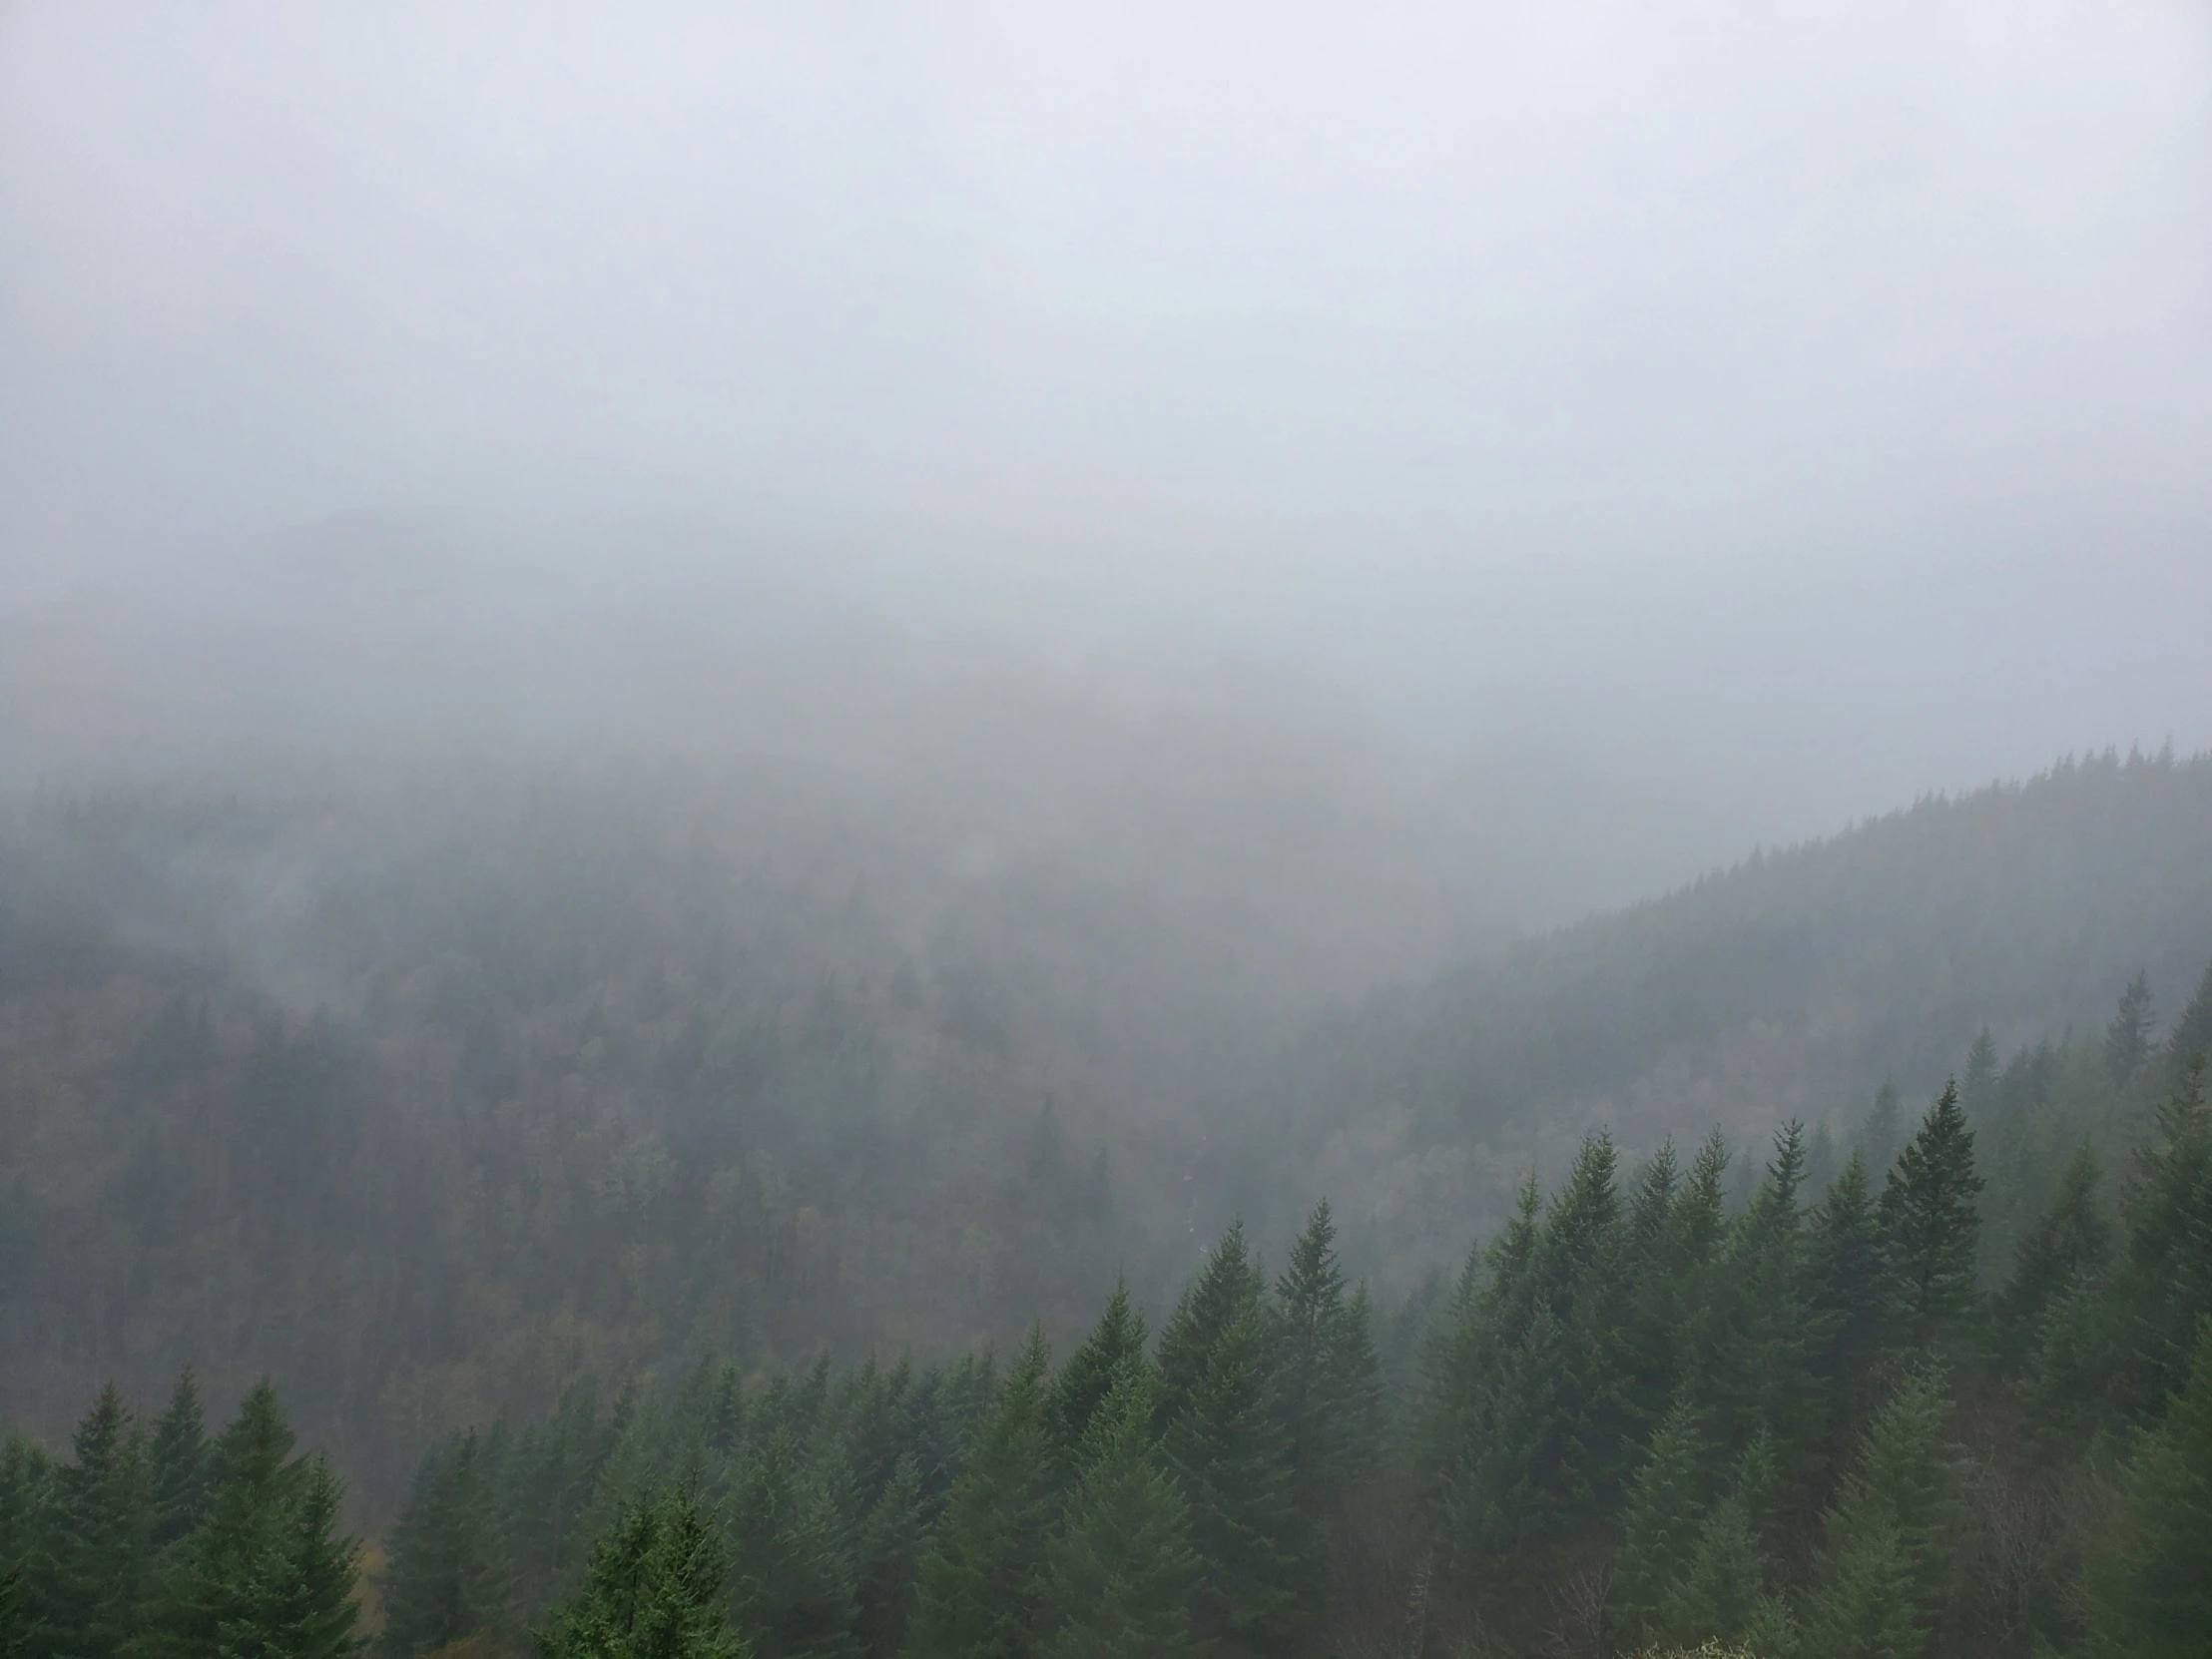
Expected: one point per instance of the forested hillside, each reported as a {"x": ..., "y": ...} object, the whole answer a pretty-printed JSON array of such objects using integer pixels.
[
  {"x": 431, "y": 1099},
  {"x": 1645, "y": 1421},
  {"x": 1792, "y": 985}
]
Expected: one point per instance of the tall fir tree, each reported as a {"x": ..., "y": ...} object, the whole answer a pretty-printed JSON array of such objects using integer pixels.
[
  {"x": 96, "y": 1568},
  {"x": 1760, "y": 1335},
  {"x": 2127, "y": 1044},
  {"x": 1231, "y": 1460},
  {"x": 1122, "y": 1576},
  {"x": 2071, "y": 1239},
  {"x": 1852, "y": 1305},
  {"x": 1660, "y": 1522},
  {"x": 887, "y": 1561},
  {"x": 177, "y": 1456},
  {"x": 1326, "y": 1375},
  {"x": 2114, "y": 1346},
  {"x": 1890, "y": 1543},
  {"x": 1113, "y": 1350},
  {"x": 25, "y": 1507},
  {"x": 1231, "y": 1288},
  {"x": 982, "y": 1584},
  {"x": 793, "y": 1590},
  {"x": 652, "y": 1589},
  {"x": 2189, "y": 1044},
  {"x": 1931, "y": 1226},
  {"x": 268, "y": 1575},
  {"x": 2150, "y": 1586},
  {"x": 444, "y": 1578}
]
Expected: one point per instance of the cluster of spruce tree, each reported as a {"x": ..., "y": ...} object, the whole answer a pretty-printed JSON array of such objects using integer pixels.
[
  {"x": 1665, "y": 1409},
  {"x": 1176, "y": 1497},
  {"x": 1653, "y": 1421},
  {"x": 156, "y": 1541}
]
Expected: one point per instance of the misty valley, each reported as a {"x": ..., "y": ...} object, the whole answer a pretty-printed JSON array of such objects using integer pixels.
[
  {"x": 1174, "y": 829},
  {"x": 483, "y": 1210}
]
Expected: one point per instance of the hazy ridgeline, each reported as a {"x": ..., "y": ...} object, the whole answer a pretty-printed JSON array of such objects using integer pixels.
[
  {"x": 1645, "y": 1419},
  {"x": 430, "y": 1097}
]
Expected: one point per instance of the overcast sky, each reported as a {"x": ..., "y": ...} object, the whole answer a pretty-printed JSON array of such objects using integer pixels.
[{"x": 1817, "y": 393}]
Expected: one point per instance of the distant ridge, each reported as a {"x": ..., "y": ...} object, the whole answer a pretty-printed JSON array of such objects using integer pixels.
[{"x": 1790, "y": 984}]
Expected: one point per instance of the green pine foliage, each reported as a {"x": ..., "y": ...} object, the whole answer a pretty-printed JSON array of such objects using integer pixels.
[
  {"x": 1889, "y": 1540},
  {"x": 1231, "y": 1458},
  {"x": 1101, "y": 1362},
  {"x": 1679, "y": 1410},
  {"x": 652, "y": 1590},
  {"x": 1230, "y": 1288},
  {"x": 1931, "y": 1226},
  {"x": 1661, "y": 1522},
  {"x": 1122, "y": 1578},
  {"x": 793, "y": 1591},
  {"x": 2150, "y": 1586},
  {"x": 981, "y": 1586},
  {"x": 268, "y": 1574},
  {"x": 1328, "y": 1383},
  {"x": 95, "y": 1569},
  {"x": 446, "y": 1576},
  {"x": 2072, "y": 1239},
  {"x": 179, "y": 1463}
]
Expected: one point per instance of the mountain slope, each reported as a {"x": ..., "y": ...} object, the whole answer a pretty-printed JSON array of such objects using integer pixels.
[{"x": 1790, "y": 985}]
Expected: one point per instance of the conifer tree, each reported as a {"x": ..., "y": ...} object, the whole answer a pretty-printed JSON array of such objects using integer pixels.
[
  {"x": 1759, "y": 1335},
  {"x": 267, "y": 1575},
  {"x": 980, "y": 1586},
  {"x": 2169, "y": 1288},
  {"x": 1660, "y": 1523},
  {"x": 1229, "y": 1289},
  {"x": 1889, "y": 1540},
  {"x": 1122, "y": 1577},
  {"x": 2190, "y": 1041},
  {"x": 888, "y": 1557},
  {"x": 1326, "y": 1379},
  {"x": 1114, "y": 1348},
  {"x": 2116, "y": 1346},
  {"x": 1723, "y": 1594},
  {"x": 793, "y": 1594},
  {"x": 652, "y": 1590},
  {"x": 1652, "y": 1334},
  {"x": 26, "y": 1506},
  {"x": 2127, "y": 1038},
  {"x": 178, "y": 1457},
  {"x": 2150, "y": 1589},
  {"x": 444, "y": 1580},
  {"x": 2070, "y": 1238},
  {"x": 1930, "y": 1223},
  {"x": 14, "y": 1615},
  {"x": 1230, "y": 1458},
  {"x": 99, "y": 1553},
  {"x": 1847, "y": 1278}
]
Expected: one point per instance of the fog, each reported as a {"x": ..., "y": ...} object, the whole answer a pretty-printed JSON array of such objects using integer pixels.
[
  {"x": 710, "y": 713},
  {"x": 1648, "y": 435}
]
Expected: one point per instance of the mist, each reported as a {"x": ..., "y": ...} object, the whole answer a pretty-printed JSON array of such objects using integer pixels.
[
  {"x": 1340, "y": 790},
  {"x": 1714, "y": 424}
]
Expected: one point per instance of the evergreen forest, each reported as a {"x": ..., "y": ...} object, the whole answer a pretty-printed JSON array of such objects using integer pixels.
[{"x": 1666, "y": 1409}]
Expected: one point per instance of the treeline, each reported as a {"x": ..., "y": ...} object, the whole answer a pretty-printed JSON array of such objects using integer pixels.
[
  {"x": 1645, "y": 1419},
  {"x": 153, "y": 1541},
  {"x": 1786, "y": 986},
  {"x": 426, "y": 1100},
  {"x": 1812, "y": 1412}
]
